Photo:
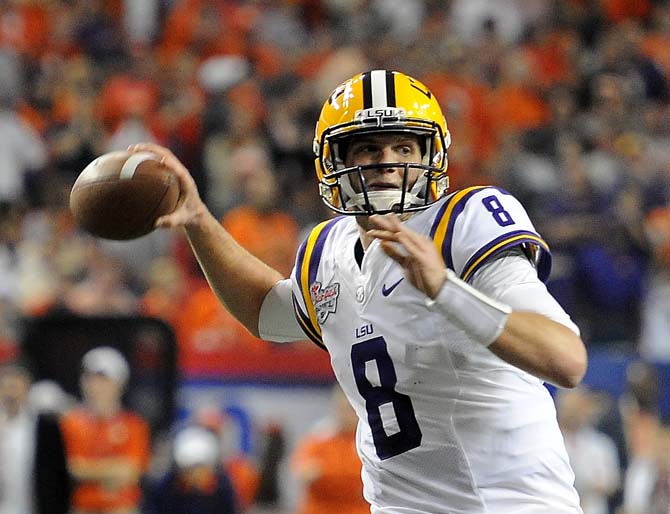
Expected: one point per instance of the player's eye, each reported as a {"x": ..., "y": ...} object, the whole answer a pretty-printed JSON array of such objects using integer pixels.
[
  {"x": 406, "y": 149},
  {"x": 365, "y": 148}
]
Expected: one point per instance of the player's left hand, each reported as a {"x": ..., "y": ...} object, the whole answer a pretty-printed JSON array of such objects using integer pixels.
[{"x": 416, "y": 253}]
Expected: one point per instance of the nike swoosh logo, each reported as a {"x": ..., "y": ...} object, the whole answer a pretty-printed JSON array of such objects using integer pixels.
[{"x": 388, "y": 290}]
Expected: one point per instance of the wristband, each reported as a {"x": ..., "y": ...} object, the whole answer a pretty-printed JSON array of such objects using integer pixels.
[{"x": 478, "y": 315}]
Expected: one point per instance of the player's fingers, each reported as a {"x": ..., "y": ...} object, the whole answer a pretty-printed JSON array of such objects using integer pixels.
[
  {"x": 395, "y": 253},
  {"x": 423, "y": 250},
  {"x": 384, "y": 235},
  {"x": 175, "y": 219},
  {"x": 168, "y": 159},
  {"x": 154, "y": 148},
  {"x": 150, "y": 147},
  {"x": 166, "y": 156},
  {"x": 415, "y": 252},
  {"x": 386, "y": 227},
  {"x": 411, "y": 243},
  {"x": 169, "y": 220},
  {"x": 163, "y": 222},
  {"x": 391, "y": 229},
  {"x": 389, "y": 222}
]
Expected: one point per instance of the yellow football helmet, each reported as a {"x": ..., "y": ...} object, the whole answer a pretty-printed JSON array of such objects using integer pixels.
[{"x": 372, "y": 102}]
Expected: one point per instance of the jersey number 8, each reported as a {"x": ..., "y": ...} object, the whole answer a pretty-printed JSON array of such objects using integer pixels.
[{"x": 408, "y": 435}]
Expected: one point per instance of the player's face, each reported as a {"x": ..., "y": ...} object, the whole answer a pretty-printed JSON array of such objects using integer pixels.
[{"x": 384, "y": 148}]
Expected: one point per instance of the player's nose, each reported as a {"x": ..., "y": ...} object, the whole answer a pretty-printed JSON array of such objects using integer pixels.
[{"x": 387, "y": 154}]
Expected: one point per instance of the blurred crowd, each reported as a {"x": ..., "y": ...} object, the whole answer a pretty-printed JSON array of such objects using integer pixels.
[{"x": 565, "y": 103}]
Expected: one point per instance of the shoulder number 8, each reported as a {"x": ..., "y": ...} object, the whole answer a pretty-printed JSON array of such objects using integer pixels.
[{"x": 493, "y": 205}]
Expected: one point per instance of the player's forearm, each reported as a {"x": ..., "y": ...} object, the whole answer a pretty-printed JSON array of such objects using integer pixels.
[
  {"x": 528, "y": 340},
  {"x": 239, "y": 279},
  {"x": 542, "y": 347}
]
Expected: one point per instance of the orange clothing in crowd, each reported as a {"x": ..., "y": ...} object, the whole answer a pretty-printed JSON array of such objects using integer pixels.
[
  {"x": 550, "y": 59},
  {"x": 8, "y": 349},
  {"x": 208, "y": 28},
  {"x": 212, "y": 343},
  {"x": 245, "y": 478},
  {"x": 516, "y": 107},
  {"x": 272, "y": 237},
  {"x": 208, "y": 335},
  {"x": 338, "y": 486},
  {"x": 656, "y": 46},
  {"x": 619, "y": 11},
  {"x": 25, "y": 28},
  {"x": 123, "y": 437},
  {"x": 464, "y": 100},
  {"x": 124, "y": 96}
]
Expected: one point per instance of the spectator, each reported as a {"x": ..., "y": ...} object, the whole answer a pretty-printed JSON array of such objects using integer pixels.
[
  {"x": 52, "y": 478},
  {"x": 207, "y": 334},
  {"x": 277, "y": 243},
  {"x": 654, "y": 341},
  {"x": 231, "y": 144},
  {"x": 509, "y": 17},
  {"x": 636, "y": 409},
  {"x": 73, "y": 133},
  {"x": 647, "y": 486},
  {"x": 516, "y": 103},
  {"x": 196, "y": 483},
  {"x": 655, "y": 42},
  {"x": 167, "y": 291},
  {"x": 103, "y": 290},
  {"x": 274, "y": 447},
  {"x": 22, "y": 151},
  {"x": 593, "y": 455},
  {"x": 10, "y": 239},
  {"x": 141, "y": 19},
  {"x": 327, "y": 465},
  {"x": 16, "y": 428},
  {"x": 33, "y": 476},
  {"x": 229, "y": 427},
  {"x": 108, "y": 447},
  {"x": 9, "y": 325}
]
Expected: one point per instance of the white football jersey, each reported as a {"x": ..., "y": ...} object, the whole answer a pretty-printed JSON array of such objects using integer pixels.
[{"x": 445, "y": 425}]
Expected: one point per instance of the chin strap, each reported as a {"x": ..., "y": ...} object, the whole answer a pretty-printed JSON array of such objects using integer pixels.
[
  {"x": 383, "y": 201},
  {"x": 481, "y": 317}
]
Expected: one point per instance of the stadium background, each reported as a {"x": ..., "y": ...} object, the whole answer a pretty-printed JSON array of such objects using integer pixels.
[{"x": 564, "y": 103}]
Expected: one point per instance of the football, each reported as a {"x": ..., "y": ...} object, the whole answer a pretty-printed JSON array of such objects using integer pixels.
[{"x": 119, "y": 195}]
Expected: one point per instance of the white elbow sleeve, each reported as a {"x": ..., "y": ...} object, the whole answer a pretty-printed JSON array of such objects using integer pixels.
[{"x": 480, "y": 316}]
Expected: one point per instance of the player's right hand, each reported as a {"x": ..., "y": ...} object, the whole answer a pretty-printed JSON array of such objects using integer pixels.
[
  {"x": 416, "y": 253},
  {"x": 190, "y": 209}
]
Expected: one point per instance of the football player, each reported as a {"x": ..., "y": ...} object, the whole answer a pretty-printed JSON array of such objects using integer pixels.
[{"x": 431, "y": 305}]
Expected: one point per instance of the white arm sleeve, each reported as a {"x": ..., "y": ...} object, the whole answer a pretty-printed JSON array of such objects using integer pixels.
[
  {"x": 511, "y": 278},
  {"x": 277, "y": 321}
]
